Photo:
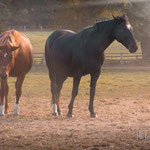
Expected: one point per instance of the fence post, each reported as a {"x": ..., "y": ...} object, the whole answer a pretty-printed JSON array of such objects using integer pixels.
[
  {"x": 41, "y": 28},
  {"x": 121, "y": 58},
  {"x": 43, "y": 60},
  {"x": 24, "y": 27}
]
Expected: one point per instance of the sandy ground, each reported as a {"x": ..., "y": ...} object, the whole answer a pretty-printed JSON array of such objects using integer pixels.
[{"x": 116, "y": 127}]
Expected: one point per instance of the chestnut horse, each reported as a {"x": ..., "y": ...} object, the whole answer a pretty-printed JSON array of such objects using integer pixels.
[{"x": 15, "y": 61}]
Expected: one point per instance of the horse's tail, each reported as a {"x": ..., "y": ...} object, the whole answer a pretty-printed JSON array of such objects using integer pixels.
[
  {"x": 49, "y": 45},
  {"x": 51, "y": 67}
]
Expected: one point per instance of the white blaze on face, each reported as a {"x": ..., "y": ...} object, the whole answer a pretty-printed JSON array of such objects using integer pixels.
[{"x": 129, "y": 26}]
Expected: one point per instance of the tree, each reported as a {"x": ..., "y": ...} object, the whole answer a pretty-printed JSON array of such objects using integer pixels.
[
  {"x": 4, "y": 17},
  {"x": 76, "y": 14},
  {"x": 139, "y": 13}
]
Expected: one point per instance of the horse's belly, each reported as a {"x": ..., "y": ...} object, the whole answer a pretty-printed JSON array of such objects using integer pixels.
[
  {"x": 73, "y": 71},
  {"x": 21, "y": 67}
]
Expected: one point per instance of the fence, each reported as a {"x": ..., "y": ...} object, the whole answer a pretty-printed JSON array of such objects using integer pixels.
[
  {"x": 122, "y": 57},
  {"x": 39, "y": 58},
  {"x": 29, "y": 28}
]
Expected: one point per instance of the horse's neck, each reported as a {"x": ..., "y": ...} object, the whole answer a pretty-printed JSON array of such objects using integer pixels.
[
  {"x": 103, "y": 38},
  {"x": 105, "y": 42}
]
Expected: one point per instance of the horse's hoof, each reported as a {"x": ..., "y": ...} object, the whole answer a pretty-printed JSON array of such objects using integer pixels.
[
  {"x": 1, "y": 115},
  {"x": 60, "y": 113},
  {"x": 6, "y": 112},
  {"x": 70, "y": 115},
  {"x": 16, "y": 109},
  {"x": 16, "y": 114},
  {"x": 1, "y": 110},
  {"x": 93, "y": 115},
  {"x": 55, "y": 114}
]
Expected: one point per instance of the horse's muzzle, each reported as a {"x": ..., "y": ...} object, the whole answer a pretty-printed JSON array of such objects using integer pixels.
[
  {"x": 3, "y": 76},
  {"x": 133, "y": 48}
]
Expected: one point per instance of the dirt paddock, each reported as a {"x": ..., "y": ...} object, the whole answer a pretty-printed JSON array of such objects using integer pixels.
[
  {"x": 116, "y": 126},
  {"x": 122, "y": 106}
]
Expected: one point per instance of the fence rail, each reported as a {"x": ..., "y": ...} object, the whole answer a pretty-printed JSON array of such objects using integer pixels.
[{"x": 39, "y": 58}]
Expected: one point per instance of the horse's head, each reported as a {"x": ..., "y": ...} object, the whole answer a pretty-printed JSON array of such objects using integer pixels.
[
  {"x": 123, "y": 33},
  {"x": 5, "y": 60}
]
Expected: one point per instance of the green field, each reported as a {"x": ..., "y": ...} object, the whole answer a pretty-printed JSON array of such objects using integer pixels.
[
  {"x": 112, "y": 83},
  {"x": 38, "y": 41}
]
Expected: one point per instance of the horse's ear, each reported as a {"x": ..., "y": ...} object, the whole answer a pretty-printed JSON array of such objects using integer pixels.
[
  {"x": 14, "y": 48},
  {"x": 113, "y": 16},
  {"x": 125, "y": 16},
  {"x": 116, "y": 18}
]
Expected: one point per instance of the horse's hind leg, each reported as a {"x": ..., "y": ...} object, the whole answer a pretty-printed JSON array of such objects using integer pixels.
[
  {"x": 54, "y": 93},
  {"x": 60, "y": 81},
  {"x": 18, "y": 86},
  {"x": 6, "y": 98},
  {"x": 76, "y": 81}
]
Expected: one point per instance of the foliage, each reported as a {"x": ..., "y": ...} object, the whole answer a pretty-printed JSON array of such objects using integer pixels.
[
  {"x": 28, "y": 12},
  {"x": 4, "y": 17},
  {"x": 73, "y": 14}
]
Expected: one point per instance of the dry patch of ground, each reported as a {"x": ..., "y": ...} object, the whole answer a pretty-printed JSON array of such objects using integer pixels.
[{"x": 119, "y": 120}]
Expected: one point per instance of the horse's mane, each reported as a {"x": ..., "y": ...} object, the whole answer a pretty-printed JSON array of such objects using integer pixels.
[
  {"x": 123, "y": 18},
  {"x": 12, "y": 38},
  {"x": 87, "y": 30},
  {"x": 104, "y": 23}
]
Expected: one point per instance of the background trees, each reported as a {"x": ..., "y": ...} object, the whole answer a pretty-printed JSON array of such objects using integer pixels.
[{"x": 76, "y": 14}]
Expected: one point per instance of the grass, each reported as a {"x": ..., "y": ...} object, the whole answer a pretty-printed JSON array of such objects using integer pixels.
[
  {"x": 38, "y": 40},
  {"x": 112, "y": 83}
]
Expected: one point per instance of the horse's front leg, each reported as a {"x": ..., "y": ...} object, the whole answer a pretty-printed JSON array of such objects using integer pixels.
[
  {"x": 18, "y": 86},
  {"x": 76, "y": 81},
  {"x": 6, "y": 98},
  {"x": 94, "y": 77},
  {"x": 2, "y": 94}
]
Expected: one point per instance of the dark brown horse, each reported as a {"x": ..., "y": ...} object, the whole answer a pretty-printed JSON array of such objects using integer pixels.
[
  {"x": 70, "y": 54},
  {"x": 15, "y": 61}
]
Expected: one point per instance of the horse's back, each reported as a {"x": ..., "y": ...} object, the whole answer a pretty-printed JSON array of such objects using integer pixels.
[
  {"x": 24, "y": 57},
  {"x": 55, "y": 36},
  {"x": 55, "y": 45}
]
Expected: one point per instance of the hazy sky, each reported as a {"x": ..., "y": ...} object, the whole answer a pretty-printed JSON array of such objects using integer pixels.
[
  {"x": 112, "y": 1},
  {"x": 143, "y": 13}
]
